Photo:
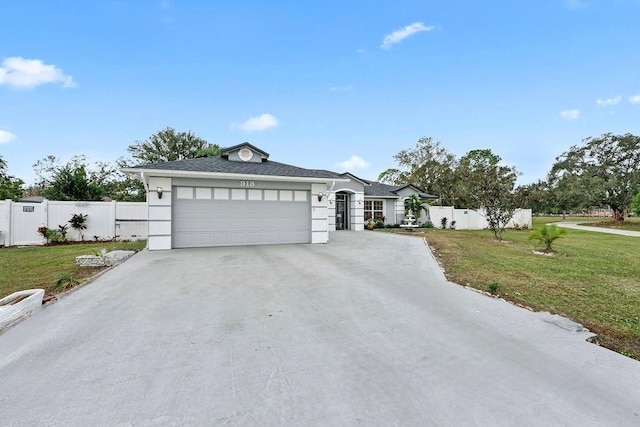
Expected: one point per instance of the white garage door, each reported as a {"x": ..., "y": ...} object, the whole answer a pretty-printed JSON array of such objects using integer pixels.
[{"x": 236, "y": 216}]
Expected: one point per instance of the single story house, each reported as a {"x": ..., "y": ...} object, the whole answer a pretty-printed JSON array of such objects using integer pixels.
[{"x": 243, "y": 198}]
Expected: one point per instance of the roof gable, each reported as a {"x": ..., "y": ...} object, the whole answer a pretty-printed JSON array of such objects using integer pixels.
[
  {"x": 231, "y": 153},
  {"x": 355, "y": 178}
]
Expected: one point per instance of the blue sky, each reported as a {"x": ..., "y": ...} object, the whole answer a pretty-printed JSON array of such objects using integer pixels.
[{"x": 331, "y": 85}]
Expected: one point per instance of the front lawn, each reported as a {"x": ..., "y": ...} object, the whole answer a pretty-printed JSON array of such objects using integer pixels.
[
  {"x": 39, "y": 266},
  {"x": 595, "y": 280},
  {"x": 632, "y": 224}
]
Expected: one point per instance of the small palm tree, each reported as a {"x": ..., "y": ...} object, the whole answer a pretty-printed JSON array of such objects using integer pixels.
[
  {"x": 547, "y": 235},
  {"x": 415, "y": 205},
  {"x": 79, "y": 222}
]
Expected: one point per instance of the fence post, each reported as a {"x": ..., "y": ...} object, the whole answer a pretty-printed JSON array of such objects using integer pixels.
[
  {"x": 114, "y": 210},
  {"x": 8, "y": 210},
  {"x": 44, "y": 218}
]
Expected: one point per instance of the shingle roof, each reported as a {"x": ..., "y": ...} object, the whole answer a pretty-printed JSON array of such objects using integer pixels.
[
  {"x": 377, "y": 189},
  {"x": 220, "y": 165}
]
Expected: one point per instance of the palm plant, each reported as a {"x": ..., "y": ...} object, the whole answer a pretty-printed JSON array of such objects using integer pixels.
[
  {"x": 79, "y": 222},
  {"x": 415, "y": 205},
  {"x": 547, "y": 235}
]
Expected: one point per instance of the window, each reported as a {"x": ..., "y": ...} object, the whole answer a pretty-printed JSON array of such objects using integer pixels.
[{"x": 374, "y": 209}]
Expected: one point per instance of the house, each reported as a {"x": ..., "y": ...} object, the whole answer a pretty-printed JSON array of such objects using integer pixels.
[{"x": 243, "y": 198}]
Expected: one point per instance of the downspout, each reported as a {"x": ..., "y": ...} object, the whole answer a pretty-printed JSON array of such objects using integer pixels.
[
  {"x": 144, "y": 183},
  {"x": 331, "y": 189}
]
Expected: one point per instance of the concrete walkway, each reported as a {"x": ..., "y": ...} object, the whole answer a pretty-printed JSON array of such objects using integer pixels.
[
  {"x": 575, "y": 226},
  {"x": 362, "y": 331}
]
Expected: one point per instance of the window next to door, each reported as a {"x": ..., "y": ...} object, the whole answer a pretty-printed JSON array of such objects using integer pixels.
[{"x": 373, "y": 209}]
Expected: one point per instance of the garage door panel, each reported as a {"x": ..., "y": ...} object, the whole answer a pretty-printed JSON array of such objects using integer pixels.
[{"x": 239, "y": 220}]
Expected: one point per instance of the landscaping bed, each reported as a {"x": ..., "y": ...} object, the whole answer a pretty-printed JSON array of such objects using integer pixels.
[{"x": 48, "y": 267}]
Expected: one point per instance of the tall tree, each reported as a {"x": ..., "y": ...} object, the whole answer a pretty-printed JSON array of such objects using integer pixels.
[
  {"x": 168, "y": 145},
  {"x": 536, "y": 196},
  {"x": 428, "y": 166},
  {"x": 487, "y": 185},
  {"x": 608, "y": 166},
  {"x": 73, "y": 183},
  {"x": 10, "y": 186},
  {"x": 635, "y": 204}
]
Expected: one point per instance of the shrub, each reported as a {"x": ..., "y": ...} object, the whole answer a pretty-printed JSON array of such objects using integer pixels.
[
  {"x": 79, "y": 222},
  {"x": 43, "y": 232},
  {"x": 63, "y": 281},
  {"x": 453, "y": 225},
  {"x": 62, "y": 229},
  {"x": 54, "y": 236},
  {"x": 426, "y": 224},
  {"x": 547, "y": 235},
  {"x": 443, "y": 222},
  {"x": 493, "y": 288}
]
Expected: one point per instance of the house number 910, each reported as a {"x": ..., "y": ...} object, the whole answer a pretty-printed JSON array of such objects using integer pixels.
[{"x": 247, "y": 183}]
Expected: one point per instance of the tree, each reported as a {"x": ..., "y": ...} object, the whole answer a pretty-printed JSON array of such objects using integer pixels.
[
  {"x": 79, "y": 222},
  {"x": 606, "y": 167},
  {"x": 536, "y": 196},
  {"x": 10, "y": 186},
  {"x": 428, "y": 166},
  {"x": 635, "y": 204},
  {"x": 168, "y": 145},
  {"x": 77, "y": 180},
  {"x": 547, "y": 235},
  {"x": 72, "y": 183},
  {"x": 488, "y": 186},
  {"x": 568, "y": 193}
]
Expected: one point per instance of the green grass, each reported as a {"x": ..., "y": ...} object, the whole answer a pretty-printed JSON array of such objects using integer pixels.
[
  {"x": 541, "y": 220},
  {"x": 40, "y": 266},
  {"x": 632, "y": 224},
  {"x": 594, "y": 280}
]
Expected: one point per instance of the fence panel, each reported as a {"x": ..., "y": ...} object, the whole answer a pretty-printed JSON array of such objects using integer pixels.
[
  {"x": 26, "y": 218},
  {"x": 100, "y": 218},
  {"x": 19, "y": 221}
]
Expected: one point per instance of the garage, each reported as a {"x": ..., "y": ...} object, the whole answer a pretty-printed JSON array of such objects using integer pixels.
[
  {"x": 239, "y": 197},
  {"x": 205, "y": 217}
]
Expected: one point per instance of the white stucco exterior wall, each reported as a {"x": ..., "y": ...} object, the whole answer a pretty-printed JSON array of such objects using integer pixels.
[
  {"x": 319, "y": 214},
  {"x": 357, "y": 212},
  {"x": 159, "y": 214}
]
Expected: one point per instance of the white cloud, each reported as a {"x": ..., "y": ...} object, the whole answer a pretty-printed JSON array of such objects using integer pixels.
[
  {"x": 29, "y": 73},
  {"x": 258, "y": 123},
  {"x": 6, "y": 136},
  {"x": 355, "y": 162},
  {"x": 609, "y": 101},
  {"x": 635, "y": 99},
  {"x": 340, "y": 88},
  {"x": 398, "y": 35},
  {"x": 570, "y": 114}
]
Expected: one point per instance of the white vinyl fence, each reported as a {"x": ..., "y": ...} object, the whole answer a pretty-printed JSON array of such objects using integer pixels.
[
  {"x": 19, "y": 221},
  {"x": 470, "y": 219}
]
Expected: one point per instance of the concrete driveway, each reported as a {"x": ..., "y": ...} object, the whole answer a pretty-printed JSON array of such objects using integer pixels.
[
  {"x": 576, "y": 226},
  {"x": 364, "y": 330}
]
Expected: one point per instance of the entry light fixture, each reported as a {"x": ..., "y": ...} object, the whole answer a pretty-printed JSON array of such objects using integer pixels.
[
  {"x": 359, "y": 201},
  {"x": 159, "y": 191},
  {"x": 320, "y": 196}
]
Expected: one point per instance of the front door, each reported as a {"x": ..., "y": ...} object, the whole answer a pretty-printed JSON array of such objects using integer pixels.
[{"x": 342, "y": 211}]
